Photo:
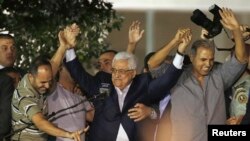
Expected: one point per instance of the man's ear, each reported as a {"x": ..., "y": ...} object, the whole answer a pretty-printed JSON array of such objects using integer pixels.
[
  {"x": 30, "y": 76},
  {"x": 191, "y": 56}
]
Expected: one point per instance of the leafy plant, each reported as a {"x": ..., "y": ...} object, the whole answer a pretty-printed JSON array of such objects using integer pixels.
[{"x": 36, "y": 23}]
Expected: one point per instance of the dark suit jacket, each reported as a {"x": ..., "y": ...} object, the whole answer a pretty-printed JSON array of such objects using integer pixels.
[
  {"x": 108, "y": 116},
  {"x": 6, "y": 91}
]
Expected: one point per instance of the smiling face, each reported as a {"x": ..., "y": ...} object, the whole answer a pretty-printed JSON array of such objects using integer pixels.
[
  {"x": 202, "y": 61},
  {"x": 122, "y": 76},
  {"x": 42, "y": 80}
]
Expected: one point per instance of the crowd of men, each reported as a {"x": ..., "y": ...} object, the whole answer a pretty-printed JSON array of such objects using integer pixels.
[{"x": 174, "y": 99}]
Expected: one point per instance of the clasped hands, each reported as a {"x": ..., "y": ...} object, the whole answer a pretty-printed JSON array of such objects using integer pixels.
[{"x": 67, "y": 36}]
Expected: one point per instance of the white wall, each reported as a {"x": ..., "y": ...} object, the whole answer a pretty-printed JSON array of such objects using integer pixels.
[{"x": 238, "y": 5}]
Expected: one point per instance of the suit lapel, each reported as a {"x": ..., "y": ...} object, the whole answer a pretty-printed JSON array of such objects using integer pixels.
[
  {"x": 130, "y": 97},
  {"x": 114, "y": 96}
]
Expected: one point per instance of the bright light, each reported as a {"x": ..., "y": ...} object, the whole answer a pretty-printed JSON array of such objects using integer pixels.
[{"x": 180, "y": 5}]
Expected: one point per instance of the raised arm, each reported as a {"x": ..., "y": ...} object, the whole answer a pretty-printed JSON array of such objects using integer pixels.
[
  {"x": 230, "y": 22},
  {"x": 161, "y": 54},
  {"x": 134, "y": 36},
  {"x": 160, "y": 86},
  {"x": 67, "y": 40},
  {"x": 184, "y": 42}
]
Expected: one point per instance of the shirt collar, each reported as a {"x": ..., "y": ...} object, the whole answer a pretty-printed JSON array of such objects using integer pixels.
[{"x": 125, "y": 90}]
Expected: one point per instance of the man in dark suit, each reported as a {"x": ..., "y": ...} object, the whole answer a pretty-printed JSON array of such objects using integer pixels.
[
  {"x": 7, "y": 59},
  {"x": 111, "y": 121},
  {"x": 6, "y": 92}
]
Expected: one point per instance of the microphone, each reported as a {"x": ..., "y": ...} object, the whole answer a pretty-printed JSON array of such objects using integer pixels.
[{"x": 101, "y": 95}]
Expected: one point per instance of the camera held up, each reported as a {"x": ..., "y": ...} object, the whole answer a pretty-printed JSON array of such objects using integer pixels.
[{"x": 213, "y": 27}]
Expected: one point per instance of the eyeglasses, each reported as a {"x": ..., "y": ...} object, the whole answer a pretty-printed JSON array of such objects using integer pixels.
[{"x": 120, "y": 71}]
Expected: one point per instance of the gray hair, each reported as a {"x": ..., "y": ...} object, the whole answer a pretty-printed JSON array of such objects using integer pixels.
[
  {"x": 202, "y": 43},
  {"x": 132, "y": 60}
]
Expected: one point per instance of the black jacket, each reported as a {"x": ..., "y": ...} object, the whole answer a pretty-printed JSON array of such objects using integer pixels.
[
  {"x": 6, "y": 92},
  {"x": 108, "y": 116}
]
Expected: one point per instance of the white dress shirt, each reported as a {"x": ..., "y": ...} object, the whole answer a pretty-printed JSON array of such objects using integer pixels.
[{"x": 122, "y": 135}]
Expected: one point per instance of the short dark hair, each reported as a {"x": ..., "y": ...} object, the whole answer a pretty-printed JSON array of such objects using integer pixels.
[
  {"x": 186, "y": 60},
  {"x": 6, "y": 36},
  {"x": 39, "y": 61},
  {"x": 201, "y": 43},
  {"x": 109, "y": 51},
  {"x": 146, "y": 58}
]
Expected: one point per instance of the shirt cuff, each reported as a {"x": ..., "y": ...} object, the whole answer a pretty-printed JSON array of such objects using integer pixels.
[
  {"x": 70, "y": 55},
  {"x": 178, "y": 61}
]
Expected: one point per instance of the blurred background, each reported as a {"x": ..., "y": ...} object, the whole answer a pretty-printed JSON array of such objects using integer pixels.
[{"x": 162, "y": 18}]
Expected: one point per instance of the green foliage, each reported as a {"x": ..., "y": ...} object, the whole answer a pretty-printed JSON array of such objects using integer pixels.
[{"x": 36, "y": 23}]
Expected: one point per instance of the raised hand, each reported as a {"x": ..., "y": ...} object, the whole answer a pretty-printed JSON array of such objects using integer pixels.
[
  {"x": 180, "y": 33},
  {"x": 228, "y": 19},
  {"x": 135, "y": 34},
  {"x": 230, "y": 22},
  {"x": 62, "y": 40},
  {"x": 185, "y": 41},
  {"x": 204, "y": 33},
  {"x": 68, "y": 36}
]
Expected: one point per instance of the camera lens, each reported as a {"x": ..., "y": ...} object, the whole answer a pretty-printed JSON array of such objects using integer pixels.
[
  {"x": 201, "y": 19},
  {"x": 213, "y": 27}
]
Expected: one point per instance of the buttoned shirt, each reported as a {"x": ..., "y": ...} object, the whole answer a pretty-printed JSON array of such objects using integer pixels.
[
  {"x": 122, "y": 135},
  {"x": 69, "y": 119},
  {"x": 194, "y": 107},
  {"x": 26, "y": 102}
]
